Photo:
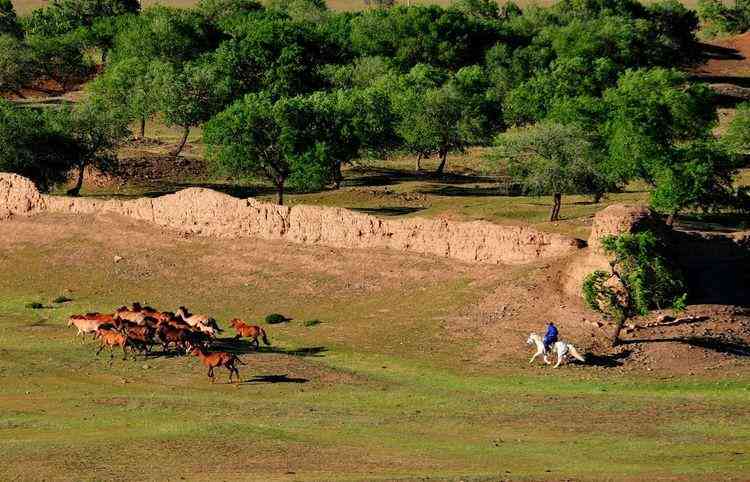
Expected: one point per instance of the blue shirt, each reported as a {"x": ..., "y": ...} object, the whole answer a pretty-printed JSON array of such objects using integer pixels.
[{"x": 551, "y": 332}]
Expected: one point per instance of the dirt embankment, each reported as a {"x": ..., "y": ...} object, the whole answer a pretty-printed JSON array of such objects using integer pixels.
[
  {"x": 206, "y": 212},
  {"x": 714, "y": 264}
]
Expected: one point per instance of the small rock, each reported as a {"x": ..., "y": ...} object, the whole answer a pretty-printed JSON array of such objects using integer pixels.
[{"x": 118, "y": 258}]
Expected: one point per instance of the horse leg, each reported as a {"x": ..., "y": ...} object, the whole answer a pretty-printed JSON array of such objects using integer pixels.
[
  {"x": 211, "y": 374},
  {"x": 256, "y": 343},
  {"x": 533, "y": 357},
  {"x": 101, "y": 347},
  {"x": 559, "y": 359}
]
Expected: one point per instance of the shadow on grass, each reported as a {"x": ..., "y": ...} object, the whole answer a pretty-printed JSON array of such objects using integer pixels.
[
  {"x": 608, "y": 361},
  {"x": 364, "y": 176},
  {"x": 258, "y": 379},
  {"x": 241, "y": 347},
  {"x": 388, "y": 211}
]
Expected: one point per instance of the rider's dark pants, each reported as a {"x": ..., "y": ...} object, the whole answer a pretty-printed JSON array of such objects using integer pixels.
[{"x": 548, "y": 342}]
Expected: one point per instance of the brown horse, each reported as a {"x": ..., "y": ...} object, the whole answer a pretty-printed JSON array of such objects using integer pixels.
[
  {"x": 141, "y": 337},
  {"x": 249, "y": 331},
  {"x": 218, "y": 359},
  {"x": 112, "y": 339}
]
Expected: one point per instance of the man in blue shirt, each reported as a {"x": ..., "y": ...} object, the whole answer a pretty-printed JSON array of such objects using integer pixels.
[{"x": 551, "y": 337}]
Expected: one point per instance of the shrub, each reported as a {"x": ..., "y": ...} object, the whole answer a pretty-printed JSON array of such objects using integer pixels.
[
  {"x": 311, "y": 322},
  {"x": 642, "y": 278},
  {"x": 62, "y": 299},
  {"x": 35, "y": 305},
  {"x": 275, "y": 318}
]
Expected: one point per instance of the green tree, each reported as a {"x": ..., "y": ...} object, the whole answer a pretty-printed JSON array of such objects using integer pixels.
[
  {"x": 166, "y": 34},
  {"x": 96, "y": 132},
  {"x": 60, "y": 58},
  {"x": 191, "y": 94},
  {"x": 445, "y": 118},
  {"x": 30, "y": 148},
  {"x": 15, "y": 64},
  {"x": 552, "y": 159},
  {"x": 9, "y": 24},
  {"x": 641, "y": 278},
  {"x": 700, "y": 175},
  {"x": 133, "y": 87},
  {"x": 61, "y": 17},
  {"x": 650, "y": 112},
  {"x": 297, "y": 140}
]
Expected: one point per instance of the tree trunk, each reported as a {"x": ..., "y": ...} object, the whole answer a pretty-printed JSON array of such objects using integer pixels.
[
  {"x": 142, "y": 128},
  {"x": 555, "y": 214},
  {"x": 598, "y": 197},
  {"x": 618, "y": 327},
  {"x": 76, "y": 190},
  {"x": 418, "y": 166},
  {"x": 280, "y": 194},
  {"x": 183, "y": 141},
  {"x": 337, "y": 175},
  {"x": 443, "y": 159}
]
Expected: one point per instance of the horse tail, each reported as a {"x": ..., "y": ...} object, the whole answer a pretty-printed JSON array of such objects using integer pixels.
[
  {"x": 575, "y": 354},
  {"x": 238, "y": 360},
  {"x": 265, "y": 338}
]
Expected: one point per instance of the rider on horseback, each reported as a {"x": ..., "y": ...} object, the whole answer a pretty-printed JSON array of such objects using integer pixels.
[{"x": 551, "y": 337}]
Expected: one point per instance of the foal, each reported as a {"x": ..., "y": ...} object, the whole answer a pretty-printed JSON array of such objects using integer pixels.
[
  {"x": 218, "y": 359},
  {"x": 249, "y": 331},
  {"x": 112, "y": 339}
]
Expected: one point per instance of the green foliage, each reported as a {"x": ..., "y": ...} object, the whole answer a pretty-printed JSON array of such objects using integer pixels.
[
  {"x": 192, "y": 93},
  {"x": 165, "y": 34},
  {"x": 34, "y": 305},
  {"x": 700, "y": 175},
  {"x": 62, "y": 299},
  {"x": 446, "y": 38},
  {"x": 61, "y": 17},
  {"x": 737, "y": 135},
  {"x": 29, "y": 146},
  {"x": 642, "y": 278},
  {"x": 301, "y": 140},
  {"x": 268, "y": 52},
  {"x": 552, "y": 158},
  {"x": 132, "y": 87},
  {"x": 9, "y": 24},
  {"x": 310, "y": 323},
  {"x": 60, "y": 58},
  {"x": 16, "y": 67},
  {"x": 221, "y": 11},
  {"x": 275, "y": 318},
  {"x": 723, "y": 18}
]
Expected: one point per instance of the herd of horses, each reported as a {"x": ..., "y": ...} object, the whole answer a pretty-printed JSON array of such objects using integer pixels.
[{"x": 140, "y": 328}]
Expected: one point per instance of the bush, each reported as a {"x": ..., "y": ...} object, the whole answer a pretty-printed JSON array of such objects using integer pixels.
[
  {"x": 62, "y": 299},
  {"x": 642, "y": 278},
  {"x": 275, "y": 318},
  {"x": 311, "y": 322},
  {"x": 724, "y": 19},
  {"x": 35, "y": 305}
]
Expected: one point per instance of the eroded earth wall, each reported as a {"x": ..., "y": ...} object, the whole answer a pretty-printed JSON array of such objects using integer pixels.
[{"x": 210, "y": 213}]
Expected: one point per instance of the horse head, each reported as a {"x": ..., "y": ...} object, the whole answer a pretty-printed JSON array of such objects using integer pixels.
[{"x": 532, "y": 339}]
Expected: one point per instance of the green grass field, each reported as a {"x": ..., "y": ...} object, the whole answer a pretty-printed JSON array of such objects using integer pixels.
[{"x": 375, "y": 392}]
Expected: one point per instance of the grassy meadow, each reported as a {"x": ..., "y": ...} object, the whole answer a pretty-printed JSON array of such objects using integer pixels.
[{"x": 374, "y": 392}]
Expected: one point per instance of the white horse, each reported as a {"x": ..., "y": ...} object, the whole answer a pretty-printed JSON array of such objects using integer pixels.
[{"x": 562, "y": 348}]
